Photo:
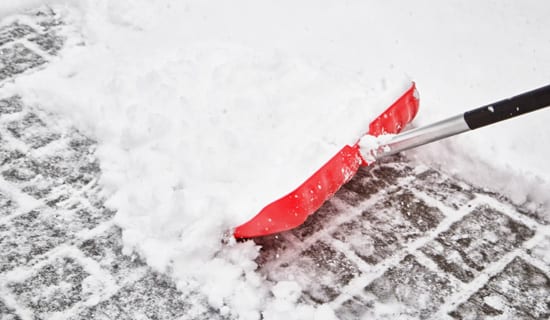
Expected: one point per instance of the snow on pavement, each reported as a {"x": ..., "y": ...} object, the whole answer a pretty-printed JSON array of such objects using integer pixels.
[{"x": 189, "y": 113}]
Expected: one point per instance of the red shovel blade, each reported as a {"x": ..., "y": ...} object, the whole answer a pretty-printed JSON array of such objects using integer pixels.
[{"x": 293, "y": 209}]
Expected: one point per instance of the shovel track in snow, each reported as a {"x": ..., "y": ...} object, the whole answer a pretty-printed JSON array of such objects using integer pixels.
[{"x": 397, "y": 241}]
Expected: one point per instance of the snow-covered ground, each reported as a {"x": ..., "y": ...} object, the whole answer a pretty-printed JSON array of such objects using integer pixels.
[{"x": 207, "y": 110}]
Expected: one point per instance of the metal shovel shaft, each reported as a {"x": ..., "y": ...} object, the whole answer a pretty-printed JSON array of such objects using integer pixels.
[{"x": 470, "y": 120}]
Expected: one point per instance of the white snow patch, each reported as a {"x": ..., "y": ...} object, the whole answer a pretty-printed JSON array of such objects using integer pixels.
[
  {"x": 287, "y": 290},
  {"x": 371, "y": 147}
]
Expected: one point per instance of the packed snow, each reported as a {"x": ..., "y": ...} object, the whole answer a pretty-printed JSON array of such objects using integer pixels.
[{"x": 205, "y": 111}]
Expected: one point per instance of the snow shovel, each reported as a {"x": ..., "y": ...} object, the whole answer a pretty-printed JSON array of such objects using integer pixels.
[{"x": 292, "y": 210}]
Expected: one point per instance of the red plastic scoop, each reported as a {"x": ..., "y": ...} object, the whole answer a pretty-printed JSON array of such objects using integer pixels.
[{"x": 293, "y": 209}]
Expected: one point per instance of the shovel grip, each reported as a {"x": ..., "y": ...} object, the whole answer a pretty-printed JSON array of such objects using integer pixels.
[{"x": 508, "y": 108}]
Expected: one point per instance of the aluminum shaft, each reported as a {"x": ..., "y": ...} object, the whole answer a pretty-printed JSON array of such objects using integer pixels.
[{"x": 420, "y": 136}]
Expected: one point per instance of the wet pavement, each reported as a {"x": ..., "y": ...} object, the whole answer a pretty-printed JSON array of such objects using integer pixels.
[{"x": 400, "y": 241}]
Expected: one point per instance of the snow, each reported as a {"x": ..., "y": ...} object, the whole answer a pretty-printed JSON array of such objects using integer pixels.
[
  {"x": 205, "y": 111},
  {"x": 13, "y": 7},
  {"x": 371, "y": 146}
]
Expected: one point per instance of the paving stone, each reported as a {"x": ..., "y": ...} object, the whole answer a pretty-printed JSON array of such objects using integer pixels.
[
  {"x": 272, "y": 247},
  {"x": 451, "y": 192},
  {"x": 537, "y": 211},
  {"x": 420, "y": 290},
  {"x": 95, "y": 197},
  {"x": 80, "y": 143},
  {"x": 320, "y": 270},
  {"x": 49, "y": 42},
  {"x": 386, "y": 227},
  {"x": 39, "y": 176},
  {"x": 14, "y": 31},
  {"x": 354, "y": 308},
  {"x": 412, "y": 209},
  {"x": 58, "y": 201},
  {"x": 520, "y": 291},
  {"x": 82, "y": 217},
  {"x": 152, "y": 297},
  {"x": 364, "y": 183},
  {"x": 16, "y": 59},
  {"x": 28, "y": 236},
  {"x": 77, "y": 167},
  {"x": 373, "y": 179},
  {"x": 7, "y": 152},
  {"x": 349, "y": 196},
  {"x": 317, "y": 221},
  {"x": 32, "y": 131},
  {"x": 54, "y": 288},
  {"x": 47, "y": 18},
  {"x": 480, "y": 238},
  {"x": 7, "y": 313},
  {"x": 10, "y": 105},
  {"x": 71, "y": 169},
  {"x": 9, "y": 155},
  {"x": 23, "y": 169},
  {"x": 530, "y": 209},
  {"x": 391, "y": 169},
  {"x": 106, "y": 249},
  {"x": 71, "y": 162},
  {"x": 38, "y": 189},
  {"x": 7, "y": 205},
  {"x": 24, "y": 172}
]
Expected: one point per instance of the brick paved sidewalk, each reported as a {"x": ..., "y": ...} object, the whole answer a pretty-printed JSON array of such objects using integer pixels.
[
  {"x": 426, "y": 244},
  {"x": 399, "y": 241}
]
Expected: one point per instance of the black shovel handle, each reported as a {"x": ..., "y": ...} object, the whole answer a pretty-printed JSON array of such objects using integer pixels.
[{"x": 508, "y": 108}]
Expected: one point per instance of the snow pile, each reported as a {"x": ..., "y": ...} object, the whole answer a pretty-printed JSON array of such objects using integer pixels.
[{"x": 12, "y": 7}]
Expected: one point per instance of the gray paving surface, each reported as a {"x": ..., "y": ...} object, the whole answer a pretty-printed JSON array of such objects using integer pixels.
[
  {"x": 399, "y": 241},
  {"x": 423, "y": 243}
]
